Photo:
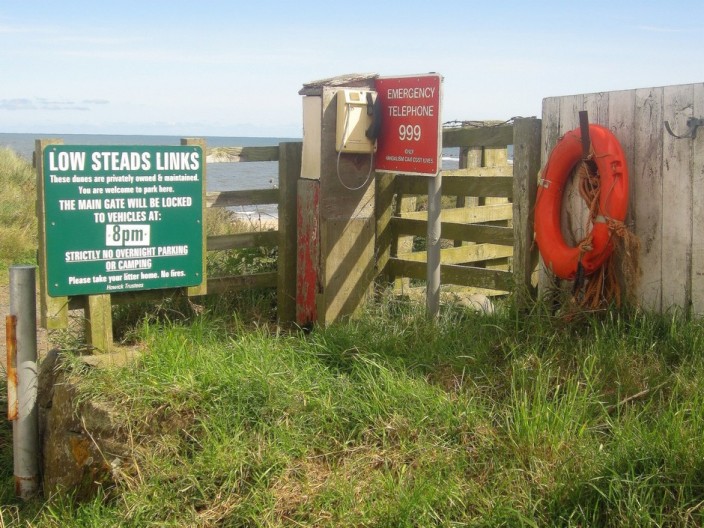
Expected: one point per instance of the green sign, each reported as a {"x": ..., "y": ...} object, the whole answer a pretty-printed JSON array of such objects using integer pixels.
[{"x": 122, "y": 218}]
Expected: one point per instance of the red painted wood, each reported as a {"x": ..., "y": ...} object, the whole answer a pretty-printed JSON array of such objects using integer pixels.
[{"x": 308, "y": 255}]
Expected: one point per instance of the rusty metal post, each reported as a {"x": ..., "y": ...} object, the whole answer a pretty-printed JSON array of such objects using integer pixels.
[
  {"x": 11, "y": 342},
  {"x": 25, "y": 427}
]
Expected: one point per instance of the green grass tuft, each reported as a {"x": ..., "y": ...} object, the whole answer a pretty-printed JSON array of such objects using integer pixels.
[
  {"x": 18, "y": 222},
  {"x": 394, "y": 420},
  {"x": 386, "y": 420}
]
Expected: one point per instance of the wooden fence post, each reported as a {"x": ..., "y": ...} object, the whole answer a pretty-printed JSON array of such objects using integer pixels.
[
  {"x": 526, "y": 165},
  {"x": 384, "y": 211},
  {"x": 469, "y": 157},
  {"x": 432, "y": 295},
  {"x": 98, "y": 322},
  {"x": 402, "y": 244},
  {"x": 53, "y": 310},
  {"x": 290, "y": 155},
  {"x": 201, "y": 289}
]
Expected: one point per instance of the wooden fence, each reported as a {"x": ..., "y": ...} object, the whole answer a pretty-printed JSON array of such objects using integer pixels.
[
  {"x": 97, "y": 308},
  {"x": 489, "y": 222},
  {"x": 289, "y": 157}
]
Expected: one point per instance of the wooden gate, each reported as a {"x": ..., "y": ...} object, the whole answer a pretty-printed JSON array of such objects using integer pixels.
[{"x": 487, "y": 222}]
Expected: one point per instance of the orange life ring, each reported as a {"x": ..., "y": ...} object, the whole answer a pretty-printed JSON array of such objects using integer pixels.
[{"x": 610, "y": 161}]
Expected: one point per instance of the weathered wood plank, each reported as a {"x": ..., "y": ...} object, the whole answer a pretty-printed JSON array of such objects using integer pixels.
[
  {"x": 219, "y": 285},
  {"x": 355, "y": 80},
  {"x": 470, "y": 160},
  {"x": 53, "y": 310},
  {"x": 453, "y": 231},
  {"x": 698, "y": 206},
  {"x": 647, "y": 187},
  {"x": 463, "y": 254},
  {"x": 384, "y": 212},
  {"x": 290, "y": 159},
  {"x": 621, "y": 121},
  {"x": 492, "y": 136},
  {"x": 312, "y": 137},
  {"x": 402, "y": 244},
  {"x": 598, "y": 106},
  {"x": 452, "y": 292},
  {"x": 239, "y": 198},
  {"x": 526, "y": 164},
  {"x": 243, "y": 240},
  {"x": 575, "y": 214},
  {"x": 550, "y": 133},
  {"x": 495, "y": 158},
  {"x": 308, "y": 279},
  {"x": 469, "y": 215},
  {"x": 677, "y": 200},
  {"x": 500, "y": 186},
  {"x": 459, "y": 275},
  {"x": 505, "y": 171},
  {"x": 550, "y": 127},
  {"x": 98, "y": 322},
  {"x": 349, "y": 270},
  {"x": 347, "y": 222},
  {"x": 242, "y": 154},
  {"x": 134, "y": 297}
]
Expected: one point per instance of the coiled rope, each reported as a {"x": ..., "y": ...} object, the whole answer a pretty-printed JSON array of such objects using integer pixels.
[{"x": 603, "y": 286}]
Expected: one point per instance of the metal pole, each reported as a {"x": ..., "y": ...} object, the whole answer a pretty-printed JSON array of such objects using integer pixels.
[
  {"x": 25, "y": 428},
  {"x": 432, "y": 299}
]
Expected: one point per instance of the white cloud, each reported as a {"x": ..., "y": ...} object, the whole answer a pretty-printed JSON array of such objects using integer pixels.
[
  {"x": 17, "y": 104},
  {"x": 43, "y": 103}
]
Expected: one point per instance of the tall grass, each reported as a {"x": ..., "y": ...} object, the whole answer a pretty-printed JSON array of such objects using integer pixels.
[
  {"x": 257, "y": 306},
  {"x": 394, "y": 420},
  {"x": 18, "y": 222},
  {"x": 389, "y": 419}
]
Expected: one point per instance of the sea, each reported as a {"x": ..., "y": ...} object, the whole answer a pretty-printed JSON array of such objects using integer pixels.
[{"x": 222, "y": 176}]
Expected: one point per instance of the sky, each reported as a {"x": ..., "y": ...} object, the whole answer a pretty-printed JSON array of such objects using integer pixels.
[{"x": 234, "y": 68}]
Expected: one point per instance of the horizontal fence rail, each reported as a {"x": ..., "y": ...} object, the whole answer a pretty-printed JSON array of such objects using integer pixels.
[
  {"x": 455, "y": 231},
  {"x": 242, "y": 198},
  {"x": 491, "y": 136},
  {"x": 453, "y": 274},
  {"x": 243, "y": 240},
  {"x": 242, "y": 154},
  {"x": 463, "y": 183}
]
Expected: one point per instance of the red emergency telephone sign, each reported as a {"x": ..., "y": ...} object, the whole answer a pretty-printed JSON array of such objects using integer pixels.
[{"x": 410, "y": 137}]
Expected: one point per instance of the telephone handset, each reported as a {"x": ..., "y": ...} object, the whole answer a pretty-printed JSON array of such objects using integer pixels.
[
  {"x": 373, "y": 110},
  {"x": 358, "y": 121}
]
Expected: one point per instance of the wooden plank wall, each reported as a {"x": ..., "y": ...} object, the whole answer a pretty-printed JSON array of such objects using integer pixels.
[{"x": 666, "y": 209}]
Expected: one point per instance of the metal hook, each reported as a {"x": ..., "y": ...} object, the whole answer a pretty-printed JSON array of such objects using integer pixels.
[{"x": 692, "y": 124}]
